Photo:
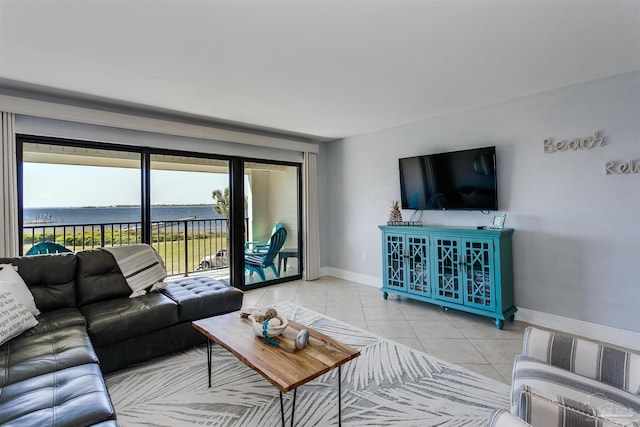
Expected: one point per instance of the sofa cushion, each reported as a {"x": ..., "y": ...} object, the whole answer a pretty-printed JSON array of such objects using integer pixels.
[
  {"x": 57, "y": 319},
  {"x": 75, "y": 396},
  {"x": 11, "y": 281},
  {"x": 28, "y": 356},
  {"x": 199, "y": 297},
  {"x": 99, "y": 277},
  {"x": 539, "y": 409},
  {"x": 122, "y": 318},
  {"x": 51, "y": 278},
  {"x": 552, "y": 380},
  {"x": 15, "y": 318}
]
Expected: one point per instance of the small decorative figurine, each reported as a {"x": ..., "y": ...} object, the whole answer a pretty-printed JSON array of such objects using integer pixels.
[
  {"x": 302, "y": 339},
  {"x": 395, "y": 215}
]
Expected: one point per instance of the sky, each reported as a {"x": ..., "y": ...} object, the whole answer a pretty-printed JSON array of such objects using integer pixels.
[{"x": 50, "y": 185}]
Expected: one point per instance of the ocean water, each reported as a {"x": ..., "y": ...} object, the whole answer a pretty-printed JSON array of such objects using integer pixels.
[{"x": 109, "y": 215}]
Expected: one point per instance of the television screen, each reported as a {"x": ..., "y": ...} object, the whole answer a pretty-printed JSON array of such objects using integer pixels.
[{"x": 464, "y": 180}]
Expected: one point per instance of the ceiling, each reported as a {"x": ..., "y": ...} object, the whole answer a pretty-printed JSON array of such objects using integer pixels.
[{"x": 326, "y": 69}]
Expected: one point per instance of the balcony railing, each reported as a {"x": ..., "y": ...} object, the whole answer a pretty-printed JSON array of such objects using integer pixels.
[{"x": 185, "y": 245}]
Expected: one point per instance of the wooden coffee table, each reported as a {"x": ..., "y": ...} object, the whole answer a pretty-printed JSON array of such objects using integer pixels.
[{"x": 286, "y": 371}]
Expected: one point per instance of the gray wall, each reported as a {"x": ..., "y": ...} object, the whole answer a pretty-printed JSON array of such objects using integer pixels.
[
  {"x": 577, "y": 240},
  {"x": 63, "y": 129}
]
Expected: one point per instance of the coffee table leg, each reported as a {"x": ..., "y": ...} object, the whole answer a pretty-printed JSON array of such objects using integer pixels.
[
  {"x": 340, "y": 395},
  {"x": 293, "y": 407},
  {"x": 209, "y": 350},
  {"x": 281, "y": 409}
]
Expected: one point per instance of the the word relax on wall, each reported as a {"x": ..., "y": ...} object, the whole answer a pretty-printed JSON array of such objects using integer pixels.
[
  {"x": 586, "y": 143},
  {"x": 632, "y": 166}
]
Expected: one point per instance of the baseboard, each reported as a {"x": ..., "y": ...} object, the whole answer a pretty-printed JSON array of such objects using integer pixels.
[
  {"x": 620, "y": 337},
  {"x": 364, "y": 279}
]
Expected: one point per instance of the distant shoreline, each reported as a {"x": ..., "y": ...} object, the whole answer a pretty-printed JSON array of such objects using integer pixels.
[{"x": 118, "y": 206}]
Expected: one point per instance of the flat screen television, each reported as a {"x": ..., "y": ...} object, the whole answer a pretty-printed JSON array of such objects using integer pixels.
[{"x": 456, "y": 180}]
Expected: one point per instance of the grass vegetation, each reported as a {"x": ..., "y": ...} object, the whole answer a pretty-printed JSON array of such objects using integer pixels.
[{"x": 170, "y": 245}]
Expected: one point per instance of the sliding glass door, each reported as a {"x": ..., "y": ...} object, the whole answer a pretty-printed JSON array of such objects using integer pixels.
[
  {"x": 272, "y": 246},
  {"x": 190, "y": 213}
]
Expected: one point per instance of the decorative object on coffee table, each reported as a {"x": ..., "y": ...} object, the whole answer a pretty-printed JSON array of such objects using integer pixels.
[
  {"x": 272, "y": 326},
  {"x": 266, "y": 323}
]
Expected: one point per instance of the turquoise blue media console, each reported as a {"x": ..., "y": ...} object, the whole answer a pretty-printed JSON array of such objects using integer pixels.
[{"x": 462, "y": 268}]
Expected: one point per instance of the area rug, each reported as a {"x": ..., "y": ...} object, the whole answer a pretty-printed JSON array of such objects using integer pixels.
[{"x": 388, "y": 385}]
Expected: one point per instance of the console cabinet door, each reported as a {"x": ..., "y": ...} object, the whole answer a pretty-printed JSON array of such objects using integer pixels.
[
  {"x": 418, "y": 265},
  {"x": 446, "y": 269},
  {"x": 394, "y": 261},
  {"x": 479, "y": 275}
]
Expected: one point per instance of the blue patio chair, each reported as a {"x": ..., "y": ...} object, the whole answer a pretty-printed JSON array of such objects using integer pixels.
[
  {"x": 47, "y": 248},
  {"x": 261, "y": 246},
  {"x": 257, "y": 262}
]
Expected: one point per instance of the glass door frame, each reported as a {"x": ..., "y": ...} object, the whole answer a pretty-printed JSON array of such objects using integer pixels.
[{"x": 236, "y": 190}]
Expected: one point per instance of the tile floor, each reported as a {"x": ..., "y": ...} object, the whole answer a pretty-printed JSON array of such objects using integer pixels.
[{"x": 467, "y": 340}]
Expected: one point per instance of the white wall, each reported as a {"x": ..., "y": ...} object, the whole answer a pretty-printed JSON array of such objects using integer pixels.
[{"x": 577, "y": 239}]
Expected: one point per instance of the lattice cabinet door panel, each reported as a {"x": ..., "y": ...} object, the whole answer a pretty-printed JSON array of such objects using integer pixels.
[
  {"x": 394, "y": 262},
  {"x": 418, "y": 265},
  {"x": 446, "y": 260},
  {"x": 479, "y": 278}
]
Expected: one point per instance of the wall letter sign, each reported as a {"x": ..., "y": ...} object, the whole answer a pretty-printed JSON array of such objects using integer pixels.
[{"x": 586, "y": 143}]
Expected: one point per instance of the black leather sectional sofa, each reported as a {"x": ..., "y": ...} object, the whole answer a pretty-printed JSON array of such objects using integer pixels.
[{"x": 52, "y": 374}]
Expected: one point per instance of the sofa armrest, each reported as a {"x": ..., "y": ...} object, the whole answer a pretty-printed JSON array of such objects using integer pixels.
[
  {"x": 504, "y": 418},
  {"x": 613, "y": 366}
]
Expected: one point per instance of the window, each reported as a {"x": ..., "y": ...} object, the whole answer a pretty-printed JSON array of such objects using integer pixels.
[
  {"x": 203, "y": 214},
  {"x": 80, "y": 197}
]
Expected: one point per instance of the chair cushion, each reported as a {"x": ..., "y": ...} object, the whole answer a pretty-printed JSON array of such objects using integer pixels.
[
  {"x": 119, "y": 319},
  {"x": 51, "y": 279},
  {"x": 552, "y": 380},
  {"x": 75, "y": 396},
  {"x": 200, "y": 297},
  {"x": 28, "y": 356},
  {"x": 99, "y": 277}
]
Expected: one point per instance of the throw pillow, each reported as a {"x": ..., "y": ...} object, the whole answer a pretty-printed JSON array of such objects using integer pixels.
[
  {"x": 11, "y": 281},
  {"x": 15, "y": 318},
  {"x": 160, "y": 285}
]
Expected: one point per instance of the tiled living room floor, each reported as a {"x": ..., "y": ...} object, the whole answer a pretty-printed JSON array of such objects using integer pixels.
[{"x": 464, "y": 339}]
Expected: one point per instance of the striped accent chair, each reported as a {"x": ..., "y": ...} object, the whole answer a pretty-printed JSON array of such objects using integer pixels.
[{"x": 560, "y": 380}]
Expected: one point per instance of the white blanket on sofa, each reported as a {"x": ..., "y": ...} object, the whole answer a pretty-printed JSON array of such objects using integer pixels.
[{"x": 141, "y": 267}]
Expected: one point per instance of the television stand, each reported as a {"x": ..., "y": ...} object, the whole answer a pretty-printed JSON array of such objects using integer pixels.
[{"x": 461, "y": 268}]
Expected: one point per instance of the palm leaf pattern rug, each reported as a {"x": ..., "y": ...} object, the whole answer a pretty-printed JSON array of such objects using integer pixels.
[{"x": 388, "y": 385}]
